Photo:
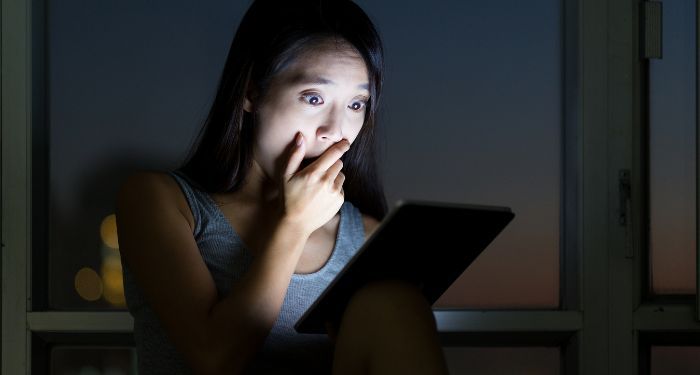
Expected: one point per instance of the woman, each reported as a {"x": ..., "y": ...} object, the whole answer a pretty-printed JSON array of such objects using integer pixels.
[{"x": 223, "y": 255}]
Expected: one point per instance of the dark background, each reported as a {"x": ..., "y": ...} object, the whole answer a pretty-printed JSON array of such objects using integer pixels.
[{"x": 472, "y": 113}]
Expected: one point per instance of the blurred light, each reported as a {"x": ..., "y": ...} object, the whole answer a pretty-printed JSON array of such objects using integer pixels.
[
  {"x": 108, "y": 231},
  {"x": 111, "y": 268},
  {"x": 88, "y": 284},
  {"x": 113, "y": 281}
]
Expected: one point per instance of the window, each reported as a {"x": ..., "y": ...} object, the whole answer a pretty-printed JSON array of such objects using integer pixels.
[{"x": 574, "y": 147}]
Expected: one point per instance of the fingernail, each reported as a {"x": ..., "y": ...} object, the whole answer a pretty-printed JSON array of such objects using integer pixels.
[{"x": 299, "y": 139}]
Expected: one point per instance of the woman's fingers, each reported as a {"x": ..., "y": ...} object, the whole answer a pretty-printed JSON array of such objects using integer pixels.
[
  {"x": 339, "y": 180},
  {"x": 329, "y": 157},
  {"x": 295, "y": 156},
  {"x": 333, "y": 171},
  {"x": 312, "y": 196}
]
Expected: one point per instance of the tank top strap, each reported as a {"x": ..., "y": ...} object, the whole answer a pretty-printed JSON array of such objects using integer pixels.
[
  {"x": 197, "y": 199},
  {"x": 354, "y": 231},
  {"x": 203, "y": 210}
]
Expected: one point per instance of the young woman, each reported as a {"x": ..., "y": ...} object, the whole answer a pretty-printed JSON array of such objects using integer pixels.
[{"x": 223, "y": 255}]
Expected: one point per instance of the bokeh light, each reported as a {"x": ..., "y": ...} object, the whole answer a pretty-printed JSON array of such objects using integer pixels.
[
  {"x": 113, "y": 281},
  {"x": 88, "y": 284},
  {"x": 111, "y": 268},
  {"x": 108, "y": 231}
]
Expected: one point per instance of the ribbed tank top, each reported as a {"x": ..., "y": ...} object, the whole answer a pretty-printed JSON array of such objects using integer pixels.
[{"x": 284, "y": 351}]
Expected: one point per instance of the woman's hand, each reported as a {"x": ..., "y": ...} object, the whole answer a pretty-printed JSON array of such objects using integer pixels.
[{"x": 312, "y": 196}]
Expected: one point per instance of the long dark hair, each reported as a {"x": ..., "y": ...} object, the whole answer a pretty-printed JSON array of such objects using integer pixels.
[{"x": 270, "y": 36}]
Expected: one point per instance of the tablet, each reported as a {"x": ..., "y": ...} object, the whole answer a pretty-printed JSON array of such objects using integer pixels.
[{"x": 426, "y": 243}]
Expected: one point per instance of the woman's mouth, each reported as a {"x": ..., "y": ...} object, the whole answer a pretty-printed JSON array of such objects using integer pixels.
[{"x": 306, "y": 162}]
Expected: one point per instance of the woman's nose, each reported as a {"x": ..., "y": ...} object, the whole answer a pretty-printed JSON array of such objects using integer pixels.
[{"x": 331, "y": 130}]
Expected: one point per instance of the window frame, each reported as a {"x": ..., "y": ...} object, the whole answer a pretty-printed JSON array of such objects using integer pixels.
[
  {"x": 601, "y": 112},
  {"x": 652, "y": 319}
]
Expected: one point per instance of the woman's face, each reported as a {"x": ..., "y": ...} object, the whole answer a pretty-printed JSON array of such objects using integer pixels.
[{"x": 323, "y": 94}]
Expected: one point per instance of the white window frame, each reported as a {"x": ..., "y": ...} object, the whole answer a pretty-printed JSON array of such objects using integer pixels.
[{"x": 604, "y": 323}]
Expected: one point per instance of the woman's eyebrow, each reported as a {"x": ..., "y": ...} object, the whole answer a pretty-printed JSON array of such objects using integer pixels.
[{"x": 303, "y": 79}]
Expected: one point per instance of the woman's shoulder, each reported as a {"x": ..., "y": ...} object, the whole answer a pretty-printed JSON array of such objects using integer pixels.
[{"x": 149, "y": 189}]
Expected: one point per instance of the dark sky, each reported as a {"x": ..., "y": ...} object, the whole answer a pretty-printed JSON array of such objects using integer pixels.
[{"x": 672, "y": 82}]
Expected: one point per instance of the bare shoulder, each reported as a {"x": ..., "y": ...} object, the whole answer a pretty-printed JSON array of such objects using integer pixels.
[
  {"x": 148, "y": 188},
  {"x": 157, "y": 244},
  {"x": 370, "y": 224}
]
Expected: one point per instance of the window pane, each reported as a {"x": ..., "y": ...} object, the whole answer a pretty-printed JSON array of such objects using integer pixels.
[
  {"x": 672, "y": 103},
  {"x": 77, "y": 360},
  {"x": 490, "y": 361},
  {"x": 676, "y": 360},
  {"x": 129, "y": 85}
]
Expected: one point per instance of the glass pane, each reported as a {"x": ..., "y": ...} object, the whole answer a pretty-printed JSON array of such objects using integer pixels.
[
  {"x": 490, "y": 361},
  {"x": 130, "y": 83},
  {"x": 77, "y": 360},
  {"x": 676, "y": 360},
  {"x": 672, "y": 103}
]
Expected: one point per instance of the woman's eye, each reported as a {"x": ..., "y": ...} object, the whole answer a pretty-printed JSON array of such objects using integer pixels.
[
  {"x": 356, "y": 106},
  {"x": 315, "y": 99},
  {"x": 312, "y": 99}
]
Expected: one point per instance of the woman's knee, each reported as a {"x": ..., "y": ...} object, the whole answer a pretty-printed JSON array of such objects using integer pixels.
[
  {"x": 389, "y": 300},
  {"x": 376, "y": 316}
]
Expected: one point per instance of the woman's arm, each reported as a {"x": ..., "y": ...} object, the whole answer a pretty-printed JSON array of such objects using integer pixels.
[{"x": 156, "y": 241}]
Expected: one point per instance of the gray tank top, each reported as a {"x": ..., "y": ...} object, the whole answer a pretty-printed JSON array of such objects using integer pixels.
[{"x": 285, "y": 351}]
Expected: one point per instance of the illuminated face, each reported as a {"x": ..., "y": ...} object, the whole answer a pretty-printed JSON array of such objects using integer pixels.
[{"x": 323, "y": 94}]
